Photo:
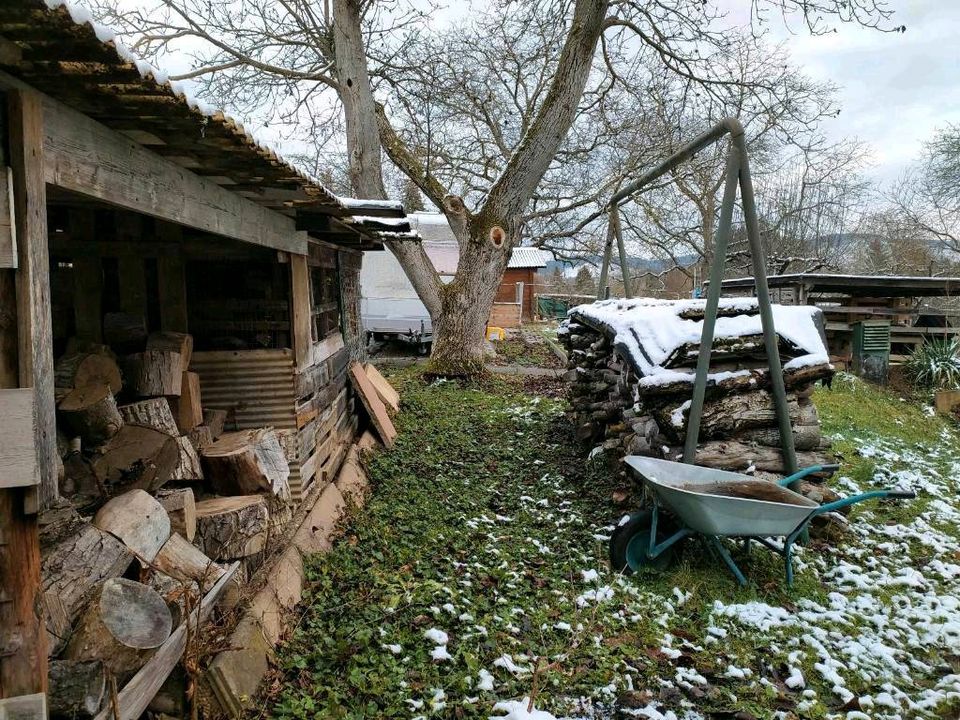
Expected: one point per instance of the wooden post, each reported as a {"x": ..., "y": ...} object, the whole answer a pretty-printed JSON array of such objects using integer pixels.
[
  {"x": 87, "y": 279},
  {"x": 172, "y": 281},
  {"x": 23, "y": 643},
  {"x": 300, "y": 309}
]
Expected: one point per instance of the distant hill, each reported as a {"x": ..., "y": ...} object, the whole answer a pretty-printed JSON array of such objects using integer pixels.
[{"x": 637, "y": 264}]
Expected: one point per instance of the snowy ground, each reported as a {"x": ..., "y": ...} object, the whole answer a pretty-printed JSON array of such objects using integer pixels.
[{"x": 477, "y": 579}]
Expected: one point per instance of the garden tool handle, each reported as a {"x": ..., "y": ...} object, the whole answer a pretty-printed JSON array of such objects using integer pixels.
[
  {"x": 791, "y": 479},
  {"x": 901, "y": 494}
]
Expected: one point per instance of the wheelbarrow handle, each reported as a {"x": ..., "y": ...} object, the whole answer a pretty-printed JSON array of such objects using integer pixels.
[
  {"x": 869, "y": 495},
  {"x": 800, "y": 474}
]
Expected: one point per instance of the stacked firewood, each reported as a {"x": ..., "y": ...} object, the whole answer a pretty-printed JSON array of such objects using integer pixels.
[
  {"x": 157, "y": 499},
  {"x": 616, "y": 406}
]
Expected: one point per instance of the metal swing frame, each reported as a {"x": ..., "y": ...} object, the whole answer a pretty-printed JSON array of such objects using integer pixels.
[{"x": 737, "y": 174}]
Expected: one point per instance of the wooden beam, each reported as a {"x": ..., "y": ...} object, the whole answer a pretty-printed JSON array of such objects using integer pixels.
[
  {"x": 85, "y": 157},
  {"x": 300, "y": 310},
  {"x": 34, "y": 325}
]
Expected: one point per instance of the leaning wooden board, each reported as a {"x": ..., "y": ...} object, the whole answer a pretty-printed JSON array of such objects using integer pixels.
[
  {"x": 384, "y": 389},
  {"x": 374, "y": 405}
]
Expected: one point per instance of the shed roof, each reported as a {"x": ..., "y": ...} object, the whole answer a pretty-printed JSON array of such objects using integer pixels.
[
  {"x": 854, "y": 285},
  {"x": 57, "y": 48}
]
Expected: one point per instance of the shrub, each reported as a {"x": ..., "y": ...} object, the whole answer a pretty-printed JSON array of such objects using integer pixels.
[{"x": 935, "y": 365}]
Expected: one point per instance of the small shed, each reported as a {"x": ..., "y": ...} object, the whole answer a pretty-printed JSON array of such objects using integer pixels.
[
  {"x": 917, "y": 307},
  {"x": 150, "y": 232}
]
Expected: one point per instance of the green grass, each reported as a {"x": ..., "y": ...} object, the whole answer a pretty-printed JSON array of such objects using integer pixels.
[{"x": 484, "y": 515}]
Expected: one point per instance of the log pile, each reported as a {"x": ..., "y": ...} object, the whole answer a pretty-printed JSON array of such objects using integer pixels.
[
  {"x": 630, "y": 386},
  {"x": 161, "y": 500}
]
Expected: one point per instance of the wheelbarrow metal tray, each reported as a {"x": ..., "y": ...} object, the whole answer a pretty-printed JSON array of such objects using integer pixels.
[{"x": 721, "y": 503}]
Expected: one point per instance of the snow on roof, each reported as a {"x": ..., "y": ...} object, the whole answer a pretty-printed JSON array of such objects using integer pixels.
[
  {"x": 529, "y": 257},
  {"x": 650, "y": 331},
  {"x": 119, "y": 88}
]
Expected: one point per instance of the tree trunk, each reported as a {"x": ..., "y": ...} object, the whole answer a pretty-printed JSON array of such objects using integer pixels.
[
  {"x": 91, "y": 412},
  {"x": 458, "y": 333},
  {"x": 69, "y": 572},
  {"x": 151, "y": 413},
  {"x": 245, "y": 462},
  {"x": 174, "y": 341},
  {"x": 124, "y": 622},
  {"x": 153, "y": 373},
  {"x": 87, "y": 368},
  {"x": 229, "y": 528},
  {"x": 77, "y": 689}
]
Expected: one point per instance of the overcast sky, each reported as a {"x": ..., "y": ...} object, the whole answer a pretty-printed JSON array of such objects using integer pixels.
[{"x": 895, "y": 88}]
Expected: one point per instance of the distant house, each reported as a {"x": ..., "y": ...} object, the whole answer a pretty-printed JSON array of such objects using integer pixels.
[{"x": 390, "y": 305}]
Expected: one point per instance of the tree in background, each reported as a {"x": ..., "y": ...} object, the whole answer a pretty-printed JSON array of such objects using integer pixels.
[
  {"x": 484, "y": 118},
  {"x": 928, "y": 195}
]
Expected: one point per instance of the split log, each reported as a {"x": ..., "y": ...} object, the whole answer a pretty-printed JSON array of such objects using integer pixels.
[
  {"x": 173, "y": 341},
  {"x": 245, "y": 462},
  {"x": 91, "y": 412},
  {"x": 182, "y": 509},
  {"x": 136, "y": 695},
  {"x": 805, "y": 437},
  {"x": 137, "y": 457},
  {"x": 200, "y": 437},
  {"x": 138, "y": 520},
  {"x": 187, "y": 408},
  {"x": 737, "y": 456},
  {"x": 153, "y": 373},
  {"x": 232, "y": 527},
  {"x": 188, "y": 465},
  {"x": 120, "y": 626},
  {"x": 216, "y": 420},
  {"x": 124, "y": 332},
  {"x": 87, "y": 368},
  {"x": 70, "y": 570},
  {"x": 152, "y": 413},
  {"x": 187, "y": 563},
  {"x": 75, "y": 689}
]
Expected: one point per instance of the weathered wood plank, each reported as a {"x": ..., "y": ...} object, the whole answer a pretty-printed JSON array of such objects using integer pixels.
[
  {"x": 34, "y": 325},
  {"x": 89, "y": 158},
  {"x": 300, "y": 310},
  {"x": 18, "y": 453},
  {"x": 375, "y": 407}
]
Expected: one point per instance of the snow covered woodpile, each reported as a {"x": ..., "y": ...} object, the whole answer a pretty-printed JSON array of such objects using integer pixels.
[{"x": 632, "y": 366}]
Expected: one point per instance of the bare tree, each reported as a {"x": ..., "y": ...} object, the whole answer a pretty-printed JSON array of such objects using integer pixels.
[
  {"x": 928, "y": 195},
  {"x": 478, "y": 142}
]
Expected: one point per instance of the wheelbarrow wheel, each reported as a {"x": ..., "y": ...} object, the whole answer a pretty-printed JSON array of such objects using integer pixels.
[{"x": 630, "y": 544}]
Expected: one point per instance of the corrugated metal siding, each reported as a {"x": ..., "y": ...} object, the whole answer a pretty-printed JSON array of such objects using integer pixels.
[{"x": 256, "y": 387}]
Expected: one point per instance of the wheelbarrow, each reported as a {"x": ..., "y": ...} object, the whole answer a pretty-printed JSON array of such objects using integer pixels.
[{"x": 717, "y": 504}]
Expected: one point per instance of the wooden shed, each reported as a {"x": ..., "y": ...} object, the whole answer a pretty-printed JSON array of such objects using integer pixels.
[{"x": 129, "y": 209}]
